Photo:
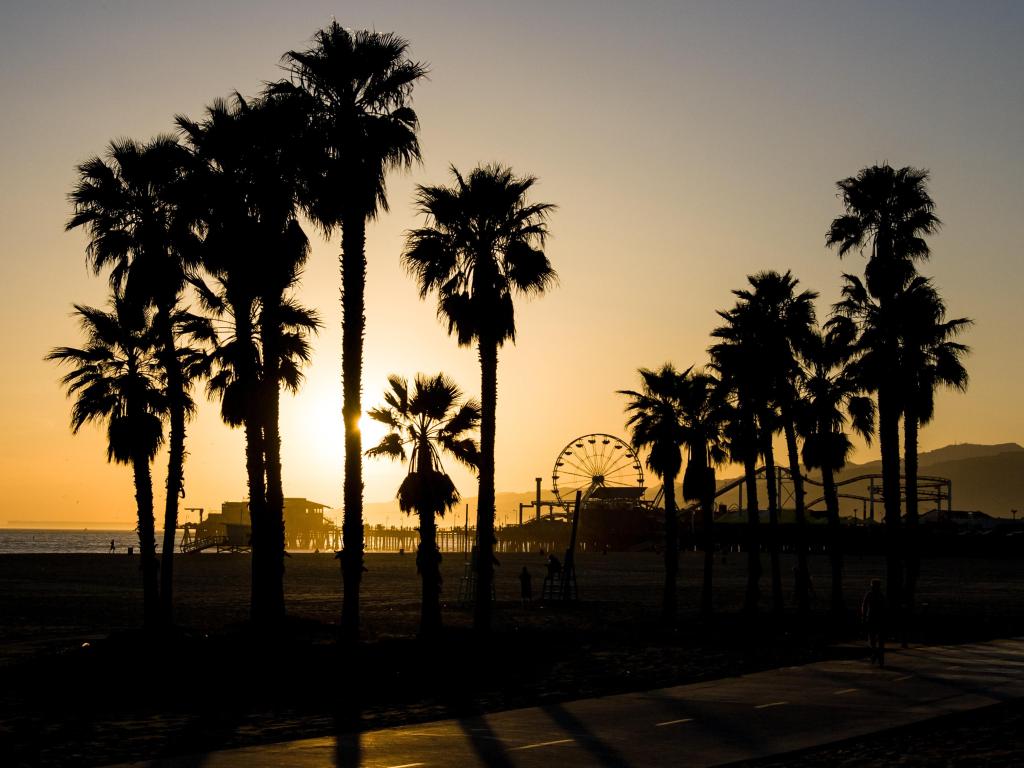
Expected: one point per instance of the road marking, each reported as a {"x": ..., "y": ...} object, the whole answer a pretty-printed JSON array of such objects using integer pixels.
[
  {"x": 901, "y": 679},
  {"x": 406, "y": 765},
  {"x": 844, "y": 690},
  {"x": 772, "y": 704},
  {"x": 541, "y": 744},
  {"x": 674, "y": 722}
]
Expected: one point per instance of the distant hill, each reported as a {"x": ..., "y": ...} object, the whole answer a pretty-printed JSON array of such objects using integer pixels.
[
  {"x": 989, "y": 478},
  {"x": 950, "y": 453}
]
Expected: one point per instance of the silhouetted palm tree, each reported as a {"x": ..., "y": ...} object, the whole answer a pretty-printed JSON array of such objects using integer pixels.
[
  {"x": 431, "y": 421},
  {"x": 704, "y": 415},
  {"x": 930, "y": 358},
  {"x": 734, "y": 357},
  {"x": 117, "y": 379},
  {"x": 356, "y": 89},
  {"x": 244, "y": 193},
  {"x": 784, "y": 321},
  {"x": 482, "y": 244},
  {"x": 128, "y": 203},
  {"x": 655, "y": 423},
  {"x": 888, "y": 212},
  {"x": 832, "y": 398}
]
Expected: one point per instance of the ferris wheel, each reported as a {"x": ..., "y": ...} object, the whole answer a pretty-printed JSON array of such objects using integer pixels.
[{"x": 595, "y": 461}]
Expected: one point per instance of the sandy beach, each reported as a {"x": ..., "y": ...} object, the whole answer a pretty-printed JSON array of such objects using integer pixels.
[{"x": 121, "y": 698}]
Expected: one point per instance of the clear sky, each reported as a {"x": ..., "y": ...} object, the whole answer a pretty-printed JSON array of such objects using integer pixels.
[{"x": 686, "y": 144}]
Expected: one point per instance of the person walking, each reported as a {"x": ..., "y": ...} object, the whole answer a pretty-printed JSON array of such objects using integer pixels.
[{"x": 873, "y": 614}]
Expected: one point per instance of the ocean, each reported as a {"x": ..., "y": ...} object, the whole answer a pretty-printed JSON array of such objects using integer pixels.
[{"x": 42, "y": 541}]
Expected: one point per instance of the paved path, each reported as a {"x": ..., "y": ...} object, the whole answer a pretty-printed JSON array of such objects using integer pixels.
[{"x": 701, "y": 724}]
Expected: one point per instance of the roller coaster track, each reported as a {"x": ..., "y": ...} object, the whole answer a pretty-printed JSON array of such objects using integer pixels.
[{"x": 929, "y": 488}]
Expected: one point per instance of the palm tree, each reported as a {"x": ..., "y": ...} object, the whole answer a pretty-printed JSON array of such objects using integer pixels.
[
  {"x": 833, "y": 397},
  {"x": 785, "y": 318},
  {"x": 704, "y": 414},
  {"x": 888, "y": 212},
  {"x": 734, "y": 358},
  {"x": 117, "y": 378},
  {"x": 930, "y": 358},
  {"x": 482, "y": 244},
  {"x": 128, "y": 203},
  {"x": 355, "y": 89},
  {"x": 755, "y": 359},
  {"x": 655, "y": 422},
  {"x": 430, "y": 421},
  {"x": 244, "y": 197}
]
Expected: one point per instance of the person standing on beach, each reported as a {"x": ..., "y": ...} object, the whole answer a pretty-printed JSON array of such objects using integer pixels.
[
  {"x": 872, "y": 611},
  {"x": 113, "y": 547},
  {"x": 525, "y": 586}
]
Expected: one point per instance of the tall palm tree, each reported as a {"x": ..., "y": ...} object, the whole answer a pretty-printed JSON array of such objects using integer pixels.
[
  {"x": 655, "y": 422},
  {"x": 833, "y": 396},
  {"x": 755, "y": 359},
  {"x": 430, "y": 421},
  {"x": 930, "y": 358},
  {"x": 116, "y": 378},
  {"x": 888, "y": 212},
  {"x": 784, "y": 319},
  {"x": 128, "y": 203},
  {"x": 734, "y": 358},
  {"x": 704, "y": 415},
  {"x": 245, "y": 196},
  {"x": 355, "y": 89},
  {"x": 482, "y": 244}
]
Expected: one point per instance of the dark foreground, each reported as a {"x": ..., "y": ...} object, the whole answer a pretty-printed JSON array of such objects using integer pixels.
[
  {"x": 213, "y": 685},
  {"x": 701, "y": 724}
]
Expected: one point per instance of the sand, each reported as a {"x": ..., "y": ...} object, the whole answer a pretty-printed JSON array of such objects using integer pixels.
[{"x": 214, "y": 686}]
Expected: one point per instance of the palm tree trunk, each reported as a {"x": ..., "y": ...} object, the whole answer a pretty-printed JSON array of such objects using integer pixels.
[
  {"x": 668, "y": 599},
  {"x": 175, "y": 455},
  {"x": 889, "y": 441},
  {"x": 274, "y": 562},
  {"x": 707, "y": 506},
  {"x": 255, "y": 477},
  {"x": 428, "y": 560},
  {"x": 353, "y": 323},
  {"x": 835, "y": 543},
  {"x": 803, "y": 598},
  {"x": 773, "y": 521},
  {"x": 753, "y": 593},
  {"x": 913, "y": 552},
  {"x": 488, "y": 351},
  {"x": 147, "y": 540}
]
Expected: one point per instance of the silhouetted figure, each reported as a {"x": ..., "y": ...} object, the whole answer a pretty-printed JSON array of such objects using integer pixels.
[
  {"x": 113, "y": 547},
  {"x": 553, "y": 580},
  {"x": 802, "y": 579},
  {"x": 872, "y": 611},
  {"x": 401, "y": 551},
  {"x": 554, "y": 567},
  {"x": 131, "y": 550},
  {"x": 525, "y": 586}
]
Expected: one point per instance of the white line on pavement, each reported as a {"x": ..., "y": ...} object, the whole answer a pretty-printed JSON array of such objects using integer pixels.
[
  {"x": 772, "y": 704},
  {"x": 541, "y": 744},
  {"x": 406, "y": 765},
  {"x": 844, "y": 690},
  {"x": 901, "y": 679},
  {"x": 674, "y": 722}
]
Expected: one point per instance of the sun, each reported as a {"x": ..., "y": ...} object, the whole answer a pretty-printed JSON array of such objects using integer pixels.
[{"x": 372, "y": 431}]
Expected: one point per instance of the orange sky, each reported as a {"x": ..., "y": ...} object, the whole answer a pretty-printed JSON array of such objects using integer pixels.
[{"x": 685, "y": 146}]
